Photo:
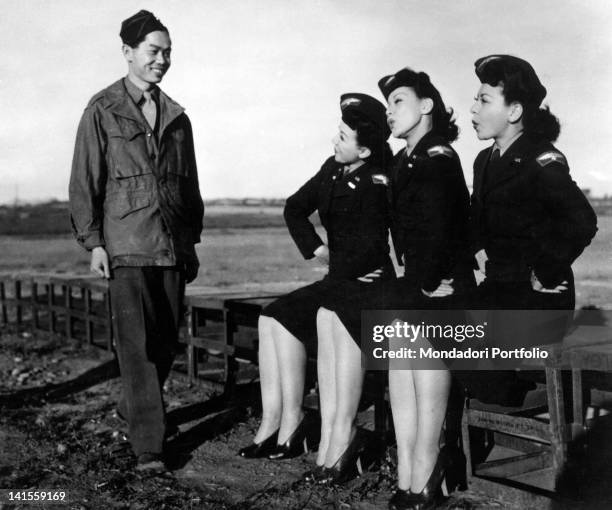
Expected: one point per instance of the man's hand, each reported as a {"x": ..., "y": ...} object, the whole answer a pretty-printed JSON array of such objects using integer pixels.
[
  {"x": 322, "y": 254},
  {"x": 99, "y": 262},
  {"x": 444, "y": 289},
  {"x": 538, "y": 287},
  {"x": 191, "y": 271}
]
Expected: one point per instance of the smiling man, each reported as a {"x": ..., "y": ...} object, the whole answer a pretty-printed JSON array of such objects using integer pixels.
[{"x": 135, "y": 204}]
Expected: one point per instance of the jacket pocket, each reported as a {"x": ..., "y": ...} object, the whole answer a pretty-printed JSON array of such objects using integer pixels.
[
  {"x": 132, "y": 203},
  {"x": 128, "y": 152}
]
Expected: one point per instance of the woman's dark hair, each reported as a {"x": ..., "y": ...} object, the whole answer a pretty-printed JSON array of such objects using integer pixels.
[
  {"x": 443, "y": 120},
  {"x": 370, "y": 135},
  {"x": 520, "y": 84}
]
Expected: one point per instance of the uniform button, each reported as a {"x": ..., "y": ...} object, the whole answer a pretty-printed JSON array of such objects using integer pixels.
[{"x": 149, "y": 134}]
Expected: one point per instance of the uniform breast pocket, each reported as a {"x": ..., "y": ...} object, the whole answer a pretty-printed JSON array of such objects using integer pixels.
[{"x": 128, "y": 154}]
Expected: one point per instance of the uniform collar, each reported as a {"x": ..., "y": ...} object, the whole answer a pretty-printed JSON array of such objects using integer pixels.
[
  {"x": 427, "y": 141},
  {"x": 118, "y": 99},
  {"x": 508, "y": 144},
  {"x": 136, "y": 93}
]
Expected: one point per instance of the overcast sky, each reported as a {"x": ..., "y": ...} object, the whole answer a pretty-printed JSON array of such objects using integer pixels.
[{"x": 261, "y": 79}]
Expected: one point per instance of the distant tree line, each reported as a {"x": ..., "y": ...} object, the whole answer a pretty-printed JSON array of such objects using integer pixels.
[{"x": 52, "y": 218}]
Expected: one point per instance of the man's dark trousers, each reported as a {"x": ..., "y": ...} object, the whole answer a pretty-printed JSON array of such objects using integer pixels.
[{"x": 146, "y": 305}]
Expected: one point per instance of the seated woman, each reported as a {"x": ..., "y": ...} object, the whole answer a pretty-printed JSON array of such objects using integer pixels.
[
  {"x": 529, "y": 219},
  {"x": 429, "y": 204},
  {"x": 349, "y": 193}
]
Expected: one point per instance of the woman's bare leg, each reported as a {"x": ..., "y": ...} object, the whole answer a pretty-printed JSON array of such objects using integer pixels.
[
  {"x": 269, "y": 380},
  {"x": 291, "y": 356},
  {"x": 404, "y": 409},
  {"x": 327, "y": 381},
  {"x": 432, "y": 388},
  {"x": 349, "y": 374}
]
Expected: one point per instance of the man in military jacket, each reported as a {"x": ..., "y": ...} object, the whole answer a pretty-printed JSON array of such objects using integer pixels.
[{"x": 135, "y": 204}]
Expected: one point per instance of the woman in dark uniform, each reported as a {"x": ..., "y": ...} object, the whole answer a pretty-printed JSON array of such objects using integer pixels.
[
  {"x": 349, "y": 194},
  {"x": 529, "y": 219},
  {"x": 429, "y": 211}
]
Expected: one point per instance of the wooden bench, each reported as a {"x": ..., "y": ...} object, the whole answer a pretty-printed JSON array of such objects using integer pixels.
[
  {"x": 540, "y": 430},
  {"x": 213, "y": 319}
]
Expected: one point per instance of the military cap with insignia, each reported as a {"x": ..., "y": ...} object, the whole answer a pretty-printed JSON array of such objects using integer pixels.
[
  {"x": 517, "y": 75},
  {"x": 136, "y": 27},
  {"x": 356, "y": 106},
  {"x": 405, "y": 77}
]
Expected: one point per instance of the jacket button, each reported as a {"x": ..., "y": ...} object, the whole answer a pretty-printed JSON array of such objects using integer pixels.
[{"x": 149, "y": 135}]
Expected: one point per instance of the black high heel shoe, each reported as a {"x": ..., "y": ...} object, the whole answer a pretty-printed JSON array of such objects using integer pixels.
[
  {"x": 348, "y": 465},
  {"x": 296, "y": 444},
  {"x": 456, "y": 470},
  {"x": 316, "y": 475},
  {"x": 402, "y": 500},
  {"x": 262, "y": 449},
  {"x": 431, "y": 495}
]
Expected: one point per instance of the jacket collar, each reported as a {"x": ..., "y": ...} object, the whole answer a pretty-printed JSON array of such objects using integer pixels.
[
  {"x": 509, "y": 163},
  {"x": 403, "y": 162},
  {"x": 337, "y": 185},
  {"x": 426, "y": 142},
  {"x": 118, "y": 100}
]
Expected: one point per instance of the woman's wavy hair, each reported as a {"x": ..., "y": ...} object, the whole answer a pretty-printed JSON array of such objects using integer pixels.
[
  {"x": 443, "y": 119},
  {"x": 519, "y": 85},
  {"x": 370, "y": 135}
]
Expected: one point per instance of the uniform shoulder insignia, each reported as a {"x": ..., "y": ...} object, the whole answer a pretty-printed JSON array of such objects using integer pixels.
[
  {"x": 440, "y": 150},
  {"x": 380, "y": 179},
  {"x": 550, "y": 157}
]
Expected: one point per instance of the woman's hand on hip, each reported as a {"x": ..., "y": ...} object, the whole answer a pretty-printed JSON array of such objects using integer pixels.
[
  {"x": 444, "y": 289},
  {"x": 370, "y": 277},
  {"x": 538, "y": 287},
  {"x": 322, "y": 254}
]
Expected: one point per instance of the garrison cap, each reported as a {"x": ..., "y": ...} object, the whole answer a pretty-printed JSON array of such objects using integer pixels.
[
  {"x": 136, "y": 27},
  {"x": 405, "y": 77},
  {"x": 357, "y": 106},
  {"x": 518, "y": 76}
]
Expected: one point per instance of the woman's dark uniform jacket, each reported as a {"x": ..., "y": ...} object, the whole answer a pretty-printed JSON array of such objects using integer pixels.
[
  {"x": 429, "y": 207},
  {"x": 429, "y": 217},
  {"x": 528, "y": 215},
  {"x": 353, "y": 210}
]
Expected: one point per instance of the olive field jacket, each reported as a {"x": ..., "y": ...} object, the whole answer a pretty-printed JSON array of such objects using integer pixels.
[{"x": 131, "y": 191}]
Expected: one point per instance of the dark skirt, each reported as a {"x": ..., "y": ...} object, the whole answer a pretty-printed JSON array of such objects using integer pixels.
[
  {"x": 297, "y": 311},
  {"x": 395, "y": 294}
]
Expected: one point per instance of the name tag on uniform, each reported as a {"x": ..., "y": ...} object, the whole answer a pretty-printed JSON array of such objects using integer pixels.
[{"x": 352, "y": 185}]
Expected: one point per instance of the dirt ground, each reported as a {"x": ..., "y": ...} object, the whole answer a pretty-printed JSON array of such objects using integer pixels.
[{"x": 58, "y": 430}]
